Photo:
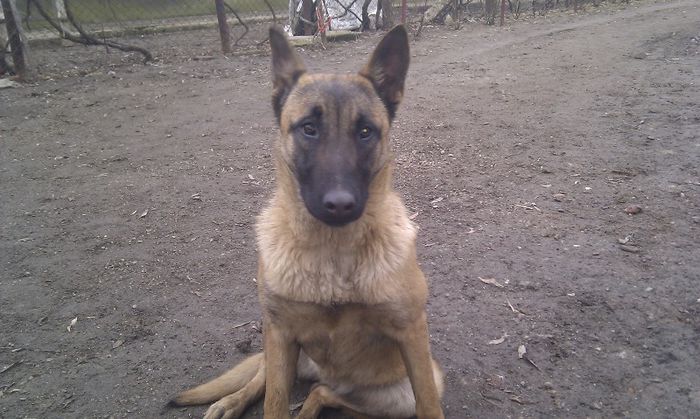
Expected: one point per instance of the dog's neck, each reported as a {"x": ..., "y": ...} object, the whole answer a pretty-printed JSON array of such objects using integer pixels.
[{"x": 306, "y": 260}]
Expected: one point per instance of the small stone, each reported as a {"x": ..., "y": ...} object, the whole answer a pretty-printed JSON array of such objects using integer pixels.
[
  {"x": 633, "y": 209},
  {"x": 559, "y": 197}
]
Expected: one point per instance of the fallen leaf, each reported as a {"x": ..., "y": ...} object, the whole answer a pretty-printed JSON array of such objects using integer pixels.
[
  {"x": 630, "y": 249},
  {"x": 491, "y": 281},
  {"x": 521, "y": 351},
  {"x": 499, "y": 340},
  {"x": 436, "y": 200},
  {"x": 72, "y": 324},
  {"x": 117, "y": 344},
  {"x": 513, "y": 309},
  {"x": 143, "y": 214},
  {"x": 7, "y": 83},
  {"x": 518, "y": 400},
  {"x": 625, "y": 240}
]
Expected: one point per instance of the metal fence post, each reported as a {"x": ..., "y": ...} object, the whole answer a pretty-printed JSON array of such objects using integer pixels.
[{"x": 16, "y": 37}]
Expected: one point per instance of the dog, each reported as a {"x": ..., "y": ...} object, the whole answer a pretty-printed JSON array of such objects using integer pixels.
[{"x": 342, "y": 295}]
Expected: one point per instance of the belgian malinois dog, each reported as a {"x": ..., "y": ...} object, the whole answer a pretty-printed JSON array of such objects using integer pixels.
[{"x": 342, "y": 296}]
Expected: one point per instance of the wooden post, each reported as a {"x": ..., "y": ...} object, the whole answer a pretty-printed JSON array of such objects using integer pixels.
[
  {"x": 224, "y": 30},
  {"x": 16, "y": 37},
  {"x": 503, "y": 11}
]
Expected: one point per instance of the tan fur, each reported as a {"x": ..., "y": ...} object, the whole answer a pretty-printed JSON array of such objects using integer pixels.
[{"x": 342, "y": 306}]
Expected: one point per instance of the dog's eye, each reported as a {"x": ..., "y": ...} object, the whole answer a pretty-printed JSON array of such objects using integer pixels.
[
  {"x": 310, "y": 130},
  {"x": 365, "y": 133}
]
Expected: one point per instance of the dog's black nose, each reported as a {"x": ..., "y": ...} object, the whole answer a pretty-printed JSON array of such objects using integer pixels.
[{"x": 339, "y": 204}]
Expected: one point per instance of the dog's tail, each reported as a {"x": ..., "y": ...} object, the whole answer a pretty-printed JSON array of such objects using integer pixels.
[{"x": 228, "y": 383}]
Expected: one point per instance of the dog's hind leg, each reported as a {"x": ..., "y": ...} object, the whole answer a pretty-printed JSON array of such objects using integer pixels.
[
  {"x": 389, "y": 401},
  {"x": 228, "y": 383},
  {"x": 233, "y": 405}
]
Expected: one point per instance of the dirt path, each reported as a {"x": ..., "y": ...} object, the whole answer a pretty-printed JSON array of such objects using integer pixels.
[{"x": 127, "y": 201}]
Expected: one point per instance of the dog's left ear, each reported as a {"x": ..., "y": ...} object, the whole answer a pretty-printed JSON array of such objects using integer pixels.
[
  {"x": 287, "y": 67},
  {"x": 388, "y": 67}
]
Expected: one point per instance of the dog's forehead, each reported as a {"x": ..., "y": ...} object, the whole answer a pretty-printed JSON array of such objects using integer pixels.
[{"x": 333, "y": 93}]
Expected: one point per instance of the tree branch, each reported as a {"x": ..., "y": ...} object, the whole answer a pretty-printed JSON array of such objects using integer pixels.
[
  {"x": 85, "y": 38},
  {"x": 239, "y": 21},
  {"x": 272, "y": 10}
]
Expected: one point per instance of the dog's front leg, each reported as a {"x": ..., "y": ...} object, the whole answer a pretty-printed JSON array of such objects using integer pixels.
[
  {"x": 415, "y": 350},
  {"x": 281, "y": 354}
]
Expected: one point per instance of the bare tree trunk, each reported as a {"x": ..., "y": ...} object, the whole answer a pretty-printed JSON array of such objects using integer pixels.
[
  {"x": 490, "y": 8},
  {"x": 387, "y": 14},
  {"x": 61, "y": 15},
  {"x": 365, "y": 15},
  {"x": 16, "y": 39},
  {"x": 307, "y": 14},
  {"x": 224, "y": 31}
]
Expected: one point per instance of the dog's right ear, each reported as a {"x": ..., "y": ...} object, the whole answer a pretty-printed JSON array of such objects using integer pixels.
[
  {"x": 287, "y": 67},
  {"x": 388, "y": 67}
]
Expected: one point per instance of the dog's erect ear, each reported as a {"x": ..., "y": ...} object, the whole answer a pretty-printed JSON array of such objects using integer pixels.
[
  {"x": 388, "y": 67},
  {"x": 287, "y": 67}
]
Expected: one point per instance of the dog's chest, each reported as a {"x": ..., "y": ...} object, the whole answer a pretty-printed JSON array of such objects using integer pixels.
[{"x": 338, "y": 336}]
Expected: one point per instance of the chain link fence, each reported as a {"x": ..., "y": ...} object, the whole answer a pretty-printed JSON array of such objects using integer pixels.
[{"x": 168, "y": 30}]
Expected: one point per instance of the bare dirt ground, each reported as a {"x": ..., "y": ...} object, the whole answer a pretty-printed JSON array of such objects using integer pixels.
[{"x": 128, "y": 199}]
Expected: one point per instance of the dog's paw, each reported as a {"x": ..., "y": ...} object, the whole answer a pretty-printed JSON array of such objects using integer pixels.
[
  {"x": 215, "y": 411},
  {"x": 230, "y": 407}
]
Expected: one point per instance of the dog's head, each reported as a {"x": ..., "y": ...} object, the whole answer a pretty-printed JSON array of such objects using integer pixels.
[{"x": 335, "y": 128}]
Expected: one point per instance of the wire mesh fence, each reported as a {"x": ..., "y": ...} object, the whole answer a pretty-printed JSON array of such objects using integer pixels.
[
  {"x": 180, "y": 29},
  {"x": 111, "y": 19},
  {"x": 134, "y": 30}
]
